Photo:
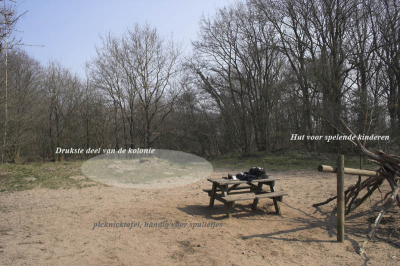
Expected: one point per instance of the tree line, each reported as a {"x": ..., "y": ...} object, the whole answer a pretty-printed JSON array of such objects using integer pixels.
[{"x": 258, "y": 72}]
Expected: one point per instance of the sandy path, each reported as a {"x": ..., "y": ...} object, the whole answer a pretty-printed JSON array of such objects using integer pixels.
[{"x": 55, "y": 227}]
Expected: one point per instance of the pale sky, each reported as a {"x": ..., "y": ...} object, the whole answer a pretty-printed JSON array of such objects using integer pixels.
[{"x": 69, "y": 30}]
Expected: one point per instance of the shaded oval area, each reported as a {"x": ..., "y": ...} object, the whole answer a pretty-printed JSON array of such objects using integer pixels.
[{"x": 160, "y": 169}]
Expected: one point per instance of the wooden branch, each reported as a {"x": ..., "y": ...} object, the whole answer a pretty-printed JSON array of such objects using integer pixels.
[
  {"x": 350, "y": 191},
  {"x": 369, "y": 193},
  {"x": 386, "y": 206},
  {"x": 355, "y": 193},
  {"x": 324, "y": 202},
  {"x": 392, "y": 164}
]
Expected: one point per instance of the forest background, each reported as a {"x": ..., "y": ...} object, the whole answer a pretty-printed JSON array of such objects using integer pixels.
[{"x": 258, "y": 72}]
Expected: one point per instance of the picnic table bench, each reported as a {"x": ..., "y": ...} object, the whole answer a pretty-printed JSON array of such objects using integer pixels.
[{"x": 231, "y": 191}]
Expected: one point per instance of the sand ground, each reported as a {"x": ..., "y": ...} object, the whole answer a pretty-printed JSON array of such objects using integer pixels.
[{"x": 56, "y": 227}]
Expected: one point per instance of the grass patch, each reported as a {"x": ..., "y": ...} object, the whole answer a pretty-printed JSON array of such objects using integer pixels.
[
  {"x": 286, "y": 161},
  {"x": 18, "y": 177}
]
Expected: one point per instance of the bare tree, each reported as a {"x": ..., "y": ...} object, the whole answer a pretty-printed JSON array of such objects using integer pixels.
[
  {"x": 8, "y": 20},
  {"x": 63, "y": 92},
  {"x": 137, "y": 71},
  {"x": 317, "y": 38},
  {"x": 385, "y": 18},
  {"x": 239, "y": 66},
  {"x": 290, "y": 19}
]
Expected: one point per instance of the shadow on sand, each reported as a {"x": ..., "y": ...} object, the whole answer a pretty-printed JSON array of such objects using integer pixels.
[
  {"x": 218, "y": 212},
  {"x": 326, "y": 220}
]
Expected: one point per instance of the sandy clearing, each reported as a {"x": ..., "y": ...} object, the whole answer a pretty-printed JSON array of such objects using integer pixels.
[{"x": 55, "y": 227}]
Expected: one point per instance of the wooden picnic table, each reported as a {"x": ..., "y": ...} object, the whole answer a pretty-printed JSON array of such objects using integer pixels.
[{"x": 229, "y": 191}]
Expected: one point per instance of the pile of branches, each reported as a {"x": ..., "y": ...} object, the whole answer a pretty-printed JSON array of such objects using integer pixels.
[{"x": 389, "y": 170}]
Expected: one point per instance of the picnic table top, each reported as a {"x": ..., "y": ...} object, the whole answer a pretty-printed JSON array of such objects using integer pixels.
[{"x": 224, "y": 181}]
